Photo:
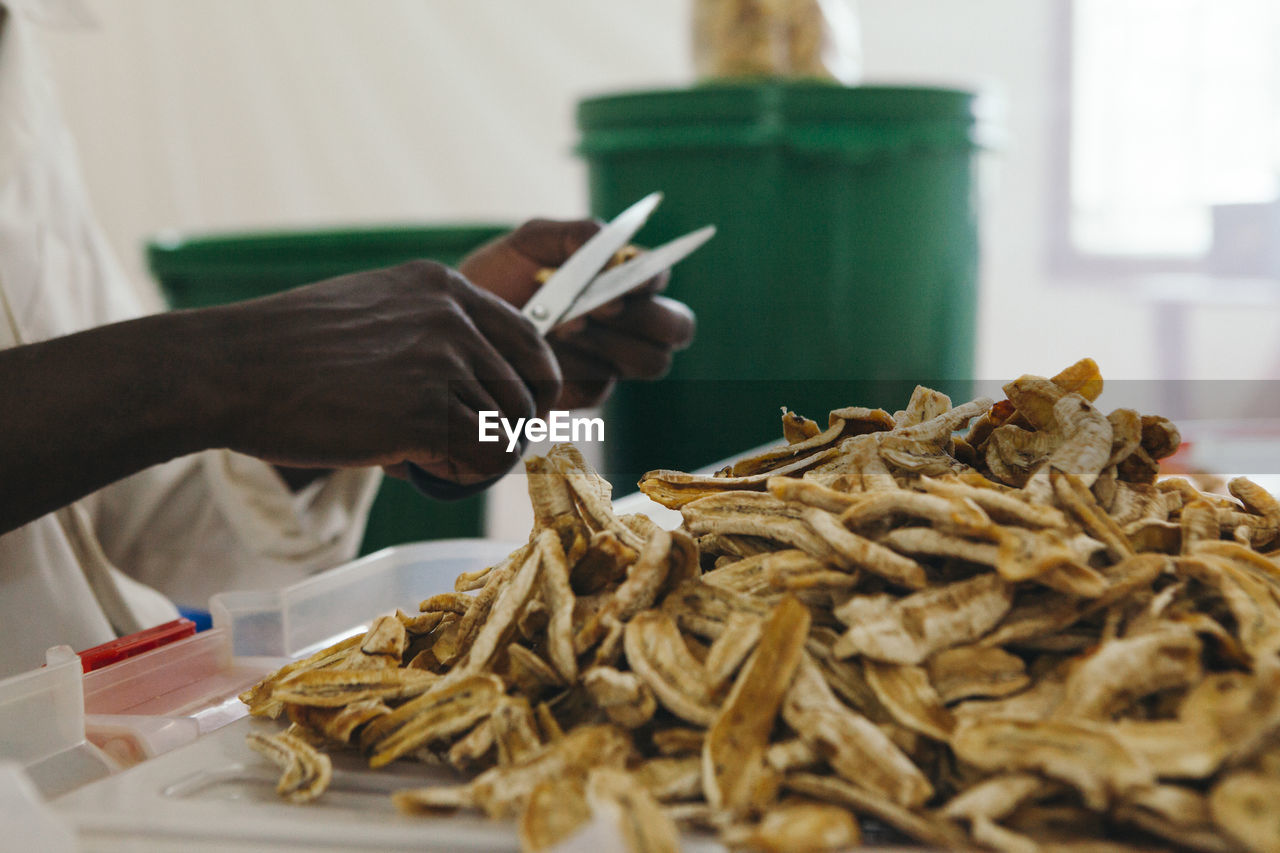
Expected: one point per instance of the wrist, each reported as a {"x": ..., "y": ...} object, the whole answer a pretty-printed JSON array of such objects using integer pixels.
[{"x": 198, "y": 388}]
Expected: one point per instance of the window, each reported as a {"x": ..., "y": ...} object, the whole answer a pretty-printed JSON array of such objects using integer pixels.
[{"x": 1172, "y": 136}]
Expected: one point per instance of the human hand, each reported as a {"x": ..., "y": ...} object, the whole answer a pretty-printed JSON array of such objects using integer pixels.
[
  {"x": 632, "y": 337},
  {"x": 382, "y": 368}
]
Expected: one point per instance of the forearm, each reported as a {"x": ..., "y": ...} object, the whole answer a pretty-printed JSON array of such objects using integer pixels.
[
  {"x": 370, "y": 369},
  {"x": 87, "y": 409}
]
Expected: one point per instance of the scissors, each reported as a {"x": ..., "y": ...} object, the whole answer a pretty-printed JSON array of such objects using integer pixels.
[{"x": 581, "y": 285}]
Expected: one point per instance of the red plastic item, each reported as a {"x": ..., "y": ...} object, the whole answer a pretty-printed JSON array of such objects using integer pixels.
[{"x": 135, "y": 644}]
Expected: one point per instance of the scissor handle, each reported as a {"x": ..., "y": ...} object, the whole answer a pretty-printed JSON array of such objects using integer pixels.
[{"x": 442, "y": 489}]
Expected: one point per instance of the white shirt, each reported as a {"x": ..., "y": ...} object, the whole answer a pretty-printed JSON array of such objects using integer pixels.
[{"x": 188, "y": 528}]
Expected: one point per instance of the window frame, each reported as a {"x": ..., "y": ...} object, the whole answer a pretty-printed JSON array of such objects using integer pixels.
[{"x": 1064, "y": 259}]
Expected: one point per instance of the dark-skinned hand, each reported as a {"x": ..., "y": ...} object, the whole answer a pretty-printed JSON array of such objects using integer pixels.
[
  {"x": 393, "y": 366},
  {"x": 632, "y": 337}
]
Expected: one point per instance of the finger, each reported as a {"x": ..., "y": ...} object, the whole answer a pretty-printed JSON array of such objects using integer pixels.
[
  {"x": 469, "y": 460},
  {"x": 517, "y": 342},
  {"x": 630, "y": 356},
  {"x": 658, "y": 319},
  {"x": 662, "y": 319},
  {"x": 588, "y": 378},
  {"x": 483, "y": 364},
  {"x": 550, "y": 242},
  {"x": 503, "y": 385}
]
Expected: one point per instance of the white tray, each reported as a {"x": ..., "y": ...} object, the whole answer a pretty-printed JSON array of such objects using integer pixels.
[{"x": 216, "y": 793}]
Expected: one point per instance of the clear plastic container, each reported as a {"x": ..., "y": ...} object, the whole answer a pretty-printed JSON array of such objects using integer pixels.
[
  {"x": 66, "y": 727},
  {"x": 214, "y": 793},
  {"x": 291, "y": 622},
  {"x": 153, "y": 702},
  {"x": 156, "y": 701},
  {"x": 42, "y": 725}
]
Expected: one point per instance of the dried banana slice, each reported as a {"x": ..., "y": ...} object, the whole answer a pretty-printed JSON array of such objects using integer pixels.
[
  {"x": 671, "y": 778},
  {"x": 556, "y": 810},
  {"x": 305, "y": 772},
  {"x": 967, "y": 672},
  {"x": 855, "y": 747},
  {"x": 334, "y": 688},
  {"x": 922, "y": 826},
  {"x": 337, "y": 725},
  {"x": 805, "y": 827},
  {"x": 657, "y": 653},
  {"x": 906, "y": 693},
  {"x": 442, "y": 711},
  {"x": 811, "y": 493},
  {"x": 1123, "y": 671},
  {"x": 1244, "y": 805},
  {"x": 734, "y": 769},
  {"x": 843, "y": 423},
  {"x": 910, "y": 629},
  {"x": 1000, "y": 507},
  {"x": 674, "y": 489},
  {"x": 623, "y": 696},
  {"x": 258, "y": 697},
  {"x": 1085, "y": 756},
  {"x": 514, "y": 730},
  {"x": 557, "y": 593},
  {"x": 644, "y": 827},
  {"x": 998, "y": 796},
  {"x": 730, "y": 649},
  {"x": 504, "y": 791},
  {"x": 447, "y": 602},
  {"x": 851, "y": 551}
]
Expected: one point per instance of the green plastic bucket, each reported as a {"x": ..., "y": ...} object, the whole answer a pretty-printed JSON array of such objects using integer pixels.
[
  {"x": 843, "y": 271},
  {"x": 196, "y": 271}
]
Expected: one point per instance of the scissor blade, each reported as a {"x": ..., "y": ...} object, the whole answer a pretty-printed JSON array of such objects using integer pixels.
[
  {"x": 548, "y": 305},
  {"x": 613, "y": 283}
]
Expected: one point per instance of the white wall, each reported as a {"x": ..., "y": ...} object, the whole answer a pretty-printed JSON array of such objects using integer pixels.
[
  {"x": 201, "y": 115},
  {"x": 250, "y": 113}
]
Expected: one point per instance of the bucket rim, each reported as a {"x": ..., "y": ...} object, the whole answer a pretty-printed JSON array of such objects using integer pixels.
[
  {"x": 306, "y": 253},
  {"x": 779, "y": 101},
  {"x": 269, "y": 240}
]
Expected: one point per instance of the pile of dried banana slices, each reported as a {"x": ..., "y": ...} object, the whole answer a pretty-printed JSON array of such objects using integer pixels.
[{"x": 986, "y": 626}]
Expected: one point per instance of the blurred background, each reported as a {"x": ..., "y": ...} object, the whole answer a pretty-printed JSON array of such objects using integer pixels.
[{"x": 1128, "y": 193}]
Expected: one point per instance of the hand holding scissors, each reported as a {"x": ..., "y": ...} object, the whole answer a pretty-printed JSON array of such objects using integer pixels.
[{"x": 596, "y": 333}]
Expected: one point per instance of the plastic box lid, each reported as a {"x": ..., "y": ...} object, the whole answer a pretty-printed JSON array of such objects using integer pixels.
[{"x": 135, "y": 644}]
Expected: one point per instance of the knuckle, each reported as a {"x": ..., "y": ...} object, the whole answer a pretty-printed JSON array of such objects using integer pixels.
[
  {"x": 421, "y": 269},
  {"x": 455, "y": 325}
]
